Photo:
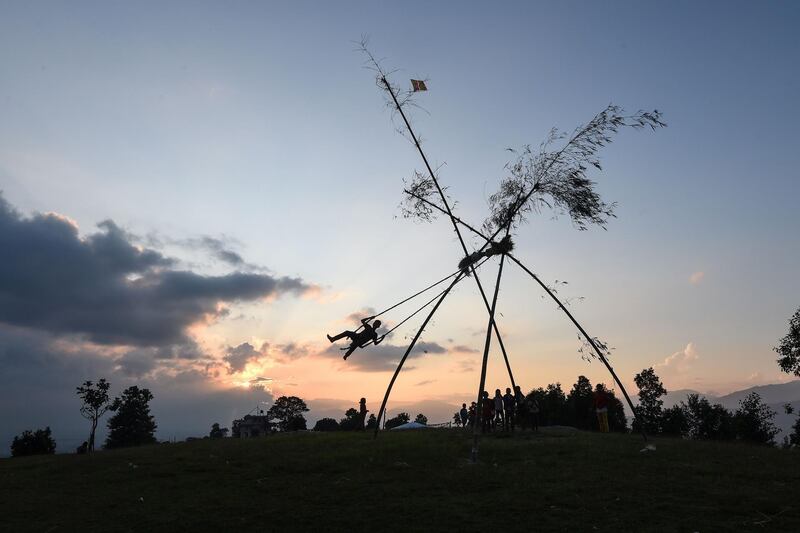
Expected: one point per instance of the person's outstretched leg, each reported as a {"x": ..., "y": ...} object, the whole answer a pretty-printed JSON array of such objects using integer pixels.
[
  {"x": 342, "y": 335},
  {"x": 349, "y": 351}
]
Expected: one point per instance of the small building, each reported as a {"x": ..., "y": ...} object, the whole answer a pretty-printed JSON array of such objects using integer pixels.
[{"x": 252, "y": 426}]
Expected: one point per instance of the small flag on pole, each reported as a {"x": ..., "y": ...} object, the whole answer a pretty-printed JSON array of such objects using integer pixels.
[{"x": 418, "y": 85}]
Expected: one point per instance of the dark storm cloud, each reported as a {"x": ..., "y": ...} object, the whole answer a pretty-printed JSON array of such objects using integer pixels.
[
  {"x": 383, "y": 357},
  {"x": 108, "y": 289}
]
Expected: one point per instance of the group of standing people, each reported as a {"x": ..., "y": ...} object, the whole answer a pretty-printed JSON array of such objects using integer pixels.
[{"x": 504, "y": 412}]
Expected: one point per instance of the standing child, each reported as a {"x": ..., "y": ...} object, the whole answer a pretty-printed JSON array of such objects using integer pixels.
[
  {"x": 498, "y": 409},
  {"x": 362, "y": 413},
  {"x": 533, "y": 412},
  {"x": 487, "y": 412},
  {"x": 464, "y": 415},
  {"x": 510, "y": 409},
  {"x": 471, "y": 414}
]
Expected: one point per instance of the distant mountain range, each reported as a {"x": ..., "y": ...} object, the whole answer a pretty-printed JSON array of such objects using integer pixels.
[{"x": 776, "y": 396}]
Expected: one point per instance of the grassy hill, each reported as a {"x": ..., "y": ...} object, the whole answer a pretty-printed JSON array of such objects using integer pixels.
[{"x": 551, "y": 481}]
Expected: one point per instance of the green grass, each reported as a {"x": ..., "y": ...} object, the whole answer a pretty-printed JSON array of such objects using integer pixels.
[{"x": 407, "y": 481}]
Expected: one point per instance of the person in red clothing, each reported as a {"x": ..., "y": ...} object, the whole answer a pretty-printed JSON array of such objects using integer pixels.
[{"x": 601, "y": 407}]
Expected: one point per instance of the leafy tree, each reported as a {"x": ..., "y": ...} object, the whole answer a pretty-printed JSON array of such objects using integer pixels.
[
  {"x": 552, "y": 403},
  {"x": 650, "y": 392},
  {"x": 217, "y": 432},
  {"x": 754, "y": 421},
  {"x": 706, "y": 421},
  {"x": 326, "y": 424},
  {"x": 351, "y": 420},
  {"x": 236, "y": 428},
  {"x": 39, "y": 442},
  {"x": 288, "y": 411},
  {"x": 789, "y": 347},
  {"x": 421, "y": 419},
  {"x": 457, "y": 419},
  {"x": 132, "y": 423},
  {"x": 372, "y": 422},
  {"x": 580, "y": 405},
  {"x": 399, "y": 420},
  {"x": 673, "y": 421},
  {"x": 794, "y": 436},
  {"x": 95, "y": 404}
]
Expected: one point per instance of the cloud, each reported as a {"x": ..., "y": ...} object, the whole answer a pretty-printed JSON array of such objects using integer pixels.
[
  {"x": 465, "y": 366},
  {"x": 425, "y": 382},
  {"x": 362, "y": 313},
  {"x": 291, "y": 351},
  {"x": 697, "y": 277},
  {"x": 464, "y": 349},
  {"x": 680, "y": 361},
  {"x": 108, "y": 289},
  {"x": 237, "y": 357},
  {"x": 383, "y": 357},
  {"x": 220, "y": 248},
  {"x": 136, "y": 363}
]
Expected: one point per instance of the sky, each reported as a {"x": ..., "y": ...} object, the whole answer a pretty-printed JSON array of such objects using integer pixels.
[{"x": 194, "y": 194}]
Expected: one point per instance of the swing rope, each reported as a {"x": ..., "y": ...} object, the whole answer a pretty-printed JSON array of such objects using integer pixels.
[
  {"x": 429, "y": 287},
  {"x": 426, "y": 304}
]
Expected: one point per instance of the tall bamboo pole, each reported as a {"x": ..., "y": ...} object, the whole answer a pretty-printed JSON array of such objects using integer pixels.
[{"x": 479, "y": 404}]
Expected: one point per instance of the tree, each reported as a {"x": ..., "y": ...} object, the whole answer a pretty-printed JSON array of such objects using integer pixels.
[
  {"x": 673, "y": 421},
  {"x": 288, "y": 411},
  {"x": 650, "y": 392},
  {"x": 350, "y": 421},
  {"x": 552, "y": 403},
  {"x": 789, "y": 347},
  {"x": 706, "y": 421},
  {"x": 372, "y": 422},
  {"x": 457, "y": 419},
  {"x": 421, "y": 419},
  {"x": 217, "y": 432},
  {"x": 39, "y": 442},
  {"x": 580, "y": 405},
  {"x": 95, "y": 404},
  {"x": 399, "y": 420},
  {"x": 794, "y": 436},
  {"x": 326, "y": 424},
  {"x": 754, "y": 421},
  {"x": 132, "y": 423}
]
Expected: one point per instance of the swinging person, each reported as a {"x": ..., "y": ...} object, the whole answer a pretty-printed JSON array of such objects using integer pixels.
[{"x": 359, "y": 339}]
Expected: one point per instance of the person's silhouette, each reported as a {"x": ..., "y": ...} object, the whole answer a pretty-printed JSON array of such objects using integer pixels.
[{"x": 359, "y": 339}]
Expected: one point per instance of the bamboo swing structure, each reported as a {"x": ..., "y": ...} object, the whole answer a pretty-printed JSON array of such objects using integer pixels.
[{"x": 510, "y": 212}]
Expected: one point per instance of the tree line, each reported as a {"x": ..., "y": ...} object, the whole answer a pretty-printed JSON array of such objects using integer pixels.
[
  {"x": 695, "y": 418},
  {"x": 131, "y": 425}
]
